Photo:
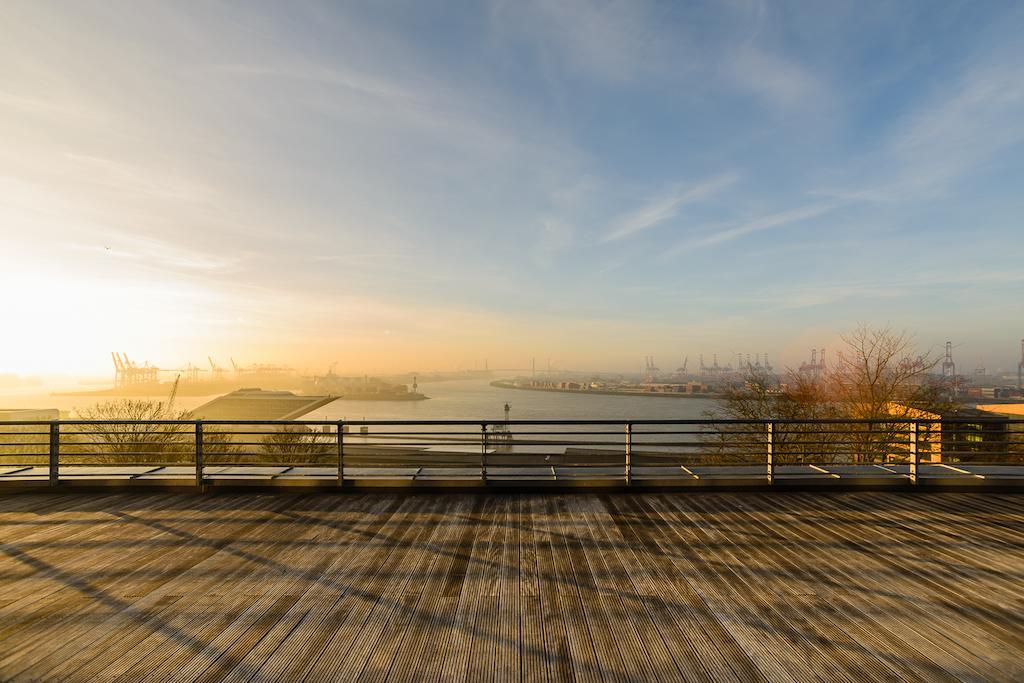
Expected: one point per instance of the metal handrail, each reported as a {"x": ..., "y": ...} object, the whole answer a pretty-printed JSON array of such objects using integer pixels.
[
  {"x": 734, "y": 442},
  {"x": 886, "y": 420}
]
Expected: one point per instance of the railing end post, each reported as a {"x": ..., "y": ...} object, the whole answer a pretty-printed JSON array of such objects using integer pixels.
[
  {"x": 629, "y": 451},
  {"x": 341, "y": 453},
  {"x": 199, "y": 454},
  {"x": 915, "y": 456},
  {"x": 54, "y": 453},
  {"x": 483, "y": 452}
]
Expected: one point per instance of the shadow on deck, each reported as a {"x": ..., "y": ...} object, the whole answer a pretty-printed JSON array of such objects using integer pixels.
[{"x": 464, "y": 586}]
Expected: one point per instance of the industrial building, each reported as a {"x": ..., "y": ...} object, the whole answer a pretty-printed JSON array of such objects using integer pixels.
[
  {"x": 257, "y": 404},
  {"x": 28, "y": 414}
]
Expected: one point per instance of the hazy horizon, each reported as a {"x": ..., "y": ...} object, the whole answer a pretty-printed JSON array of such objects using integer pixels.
[{"x": 410, "y": 186}]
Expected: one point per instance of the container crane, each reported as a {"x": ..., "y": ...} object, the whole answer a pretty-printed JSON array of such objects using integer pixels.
[
  {"x": 218, "y": 371},
  {"x": 1020, "y": 367}
]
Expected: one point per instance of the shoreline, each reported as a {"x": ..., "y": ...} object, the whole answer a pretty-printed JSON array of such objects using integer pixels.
[{"x": 501, "y": 384}]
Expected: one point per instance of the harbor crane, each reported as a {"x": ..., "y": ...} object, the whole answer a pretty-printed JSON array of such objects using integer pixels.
[
  {"x": 715, "y": 369},
  {"x": 650, "y": 369},
  {"x": 218, "y": 371},
  {"x": 949, "y": 368},
  {"x": 758, "y": 364},
  {"x": 1020, "y": 367},
  {"x": 816, "y": 368},
  {"x": 127, "y": 372}
]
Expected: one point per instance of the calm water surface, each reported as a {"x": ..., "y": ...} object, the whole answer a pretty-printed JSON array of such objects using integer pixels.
[
  {"x": 456, "y": 400},
  {"x": 477, "y": 399}
]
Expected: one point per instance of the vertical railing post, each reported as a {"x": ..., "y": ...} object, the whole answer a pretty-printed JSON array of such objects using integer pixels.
[
  {"x": 915, "y": 457},
  {"x": 483, "y": 452},
  {"x": 629, "y": 449},
  {"x": 341, "y": 453},
  {"x": 54, "y": 453},
  {"x": 199, "y": 454},
  {"x": 771, "y": 452}
]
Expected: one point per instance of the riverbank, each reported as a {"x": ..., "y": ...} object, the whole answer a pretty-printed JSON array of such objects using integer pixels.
[{"x": 504, "y": 384}]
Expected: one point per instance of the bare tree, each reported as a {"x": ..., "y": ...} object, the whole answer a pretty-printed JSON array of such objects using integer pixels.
[
  {"x": 299, "y": 445},
  {"x": 124, "y": 432},
  {"x": 763, "y": 398},
  {"x": 24, "y": 444},
  {"x": 878, "y": 375}
]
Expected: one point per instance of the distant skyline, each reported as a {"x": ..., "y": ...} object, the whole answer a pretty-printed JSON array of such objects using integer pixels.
[{"x": 409, "y": 185}]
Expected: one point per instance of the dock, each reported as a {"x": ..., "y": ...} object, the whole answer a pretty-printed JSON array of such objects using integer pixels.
[{"x": 512, "y": 586}]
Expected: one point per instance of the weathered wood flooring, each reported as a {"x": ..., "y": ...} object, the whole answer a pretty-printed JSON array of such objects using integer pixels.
[{"x": 781, "y": 587}]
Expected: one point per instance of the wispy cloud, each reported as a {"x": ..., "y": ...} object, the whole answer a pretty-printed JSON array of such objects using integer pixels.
[
  {"x": 416, "y": 159},
  {"x": 605, "y": 40},
  {"x": 53, "y": 107},
  {"x": 665, "y": 208},
  {"x": 121, "y": 176},
  {"x": 785, "y": 83},
  {"x": 728, "y": 233},
  {"x": 335, "y": 76},
  {"x": 965, "y": 121},
  {"x": 157, "y": 254},
  {"x": 883, "y": 288}
]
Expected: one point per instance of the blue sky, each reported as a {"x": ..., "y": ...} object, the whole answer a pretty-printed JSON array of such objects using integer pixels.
[{"x": 411, "y": 184}]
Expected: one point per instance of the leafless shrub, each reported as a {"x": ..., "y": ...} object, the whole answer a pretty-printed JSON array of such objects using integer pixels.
[
  {"x": 878, "y": 376},
  {"x": 297, "y": 444},
  {"x": 124, "y": 432}
]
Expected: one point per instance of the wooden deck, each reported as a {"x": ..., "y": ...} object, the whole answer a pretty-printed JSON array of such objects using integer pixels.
[{"x": 467, "y": 586}]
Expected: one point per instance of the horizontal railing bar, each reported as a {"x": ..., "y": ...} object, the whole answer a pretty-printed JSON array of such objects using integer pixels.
[
  {"x": 837, "y": 421},
  {"x": 601, "y": 449},
  {"x": 134, "y": 432},
  {"x": 476, "y": 433},
  {"x": 185, "y": 456},
  {"x": 126, "y": 442}
]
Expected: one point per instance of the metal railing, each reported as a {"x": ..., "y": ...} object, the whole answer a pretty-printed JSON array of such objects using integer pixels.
[{"x": 628, "y": 453}]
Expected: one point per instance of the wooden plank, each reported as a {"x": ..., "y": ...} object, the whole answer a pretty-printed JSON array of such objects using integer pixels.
[
  {"x": 859, "y": 634},
  {"x": 512, "y": 586},
  {"x": 737, "y": 624},
  {"x": 198, "y": 621},
  {"x": 702, "y": 638},
  {"x": 352, "y": 647},
  {"x": 444, "y": 600},
  {"x": 416, "y": 647},
  {"x": 610, "y": 581},
  {"x": 77, "y": 627},
  {"x": 356, "y": 534},
  {"x": 651, "y": 658},
  {"x": 839, "y": 545},
  {"x": 508, "y": 634},
  {"x": 405, "y": 633},
  {"x": 559, "y": 663},
  {"x": 572, "y": 588},
  {"x": 453, "y": 663},
  {"x": 286, "y": 569},
  {"x": 281, "y": 558}
]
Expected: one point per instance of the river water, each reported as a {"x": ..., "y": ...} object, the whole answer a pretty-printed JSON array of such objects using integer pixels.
[
  {"x": 477, "y": 399},
  {"x": 473, "y": 399}
]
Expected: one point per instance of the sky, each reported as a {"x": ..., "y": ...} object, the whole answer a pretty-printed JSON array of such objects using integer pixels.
[{"x": 414, "y": 185}]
